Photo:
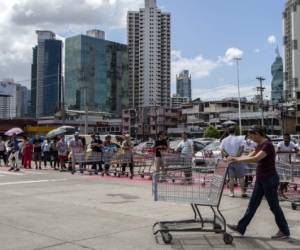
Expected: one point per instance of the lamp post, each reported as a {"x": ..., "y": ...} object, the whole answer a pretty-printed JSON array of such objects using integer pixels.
[{"x": 237, "y": 59}]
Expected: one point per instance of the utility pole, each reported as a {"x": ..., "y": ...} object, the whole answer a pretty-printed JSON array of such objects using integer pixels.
[
  {"x": 261, "y": 89},
  {"x": 237, "y": 59}
]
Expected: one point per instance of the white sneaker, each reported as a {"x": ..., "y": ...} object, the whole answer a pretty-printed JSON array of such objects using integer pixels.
[{"x": 231, "y": 194}]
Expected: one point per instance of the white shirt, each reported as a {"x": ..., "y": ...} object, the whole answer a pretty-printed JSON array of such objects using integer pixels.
[
  {"x": 187, "y": 147},
  {"x": 283, "y": 148},
  {"x": 249, "y": 146},
  {"x": 232, "y": 144}
]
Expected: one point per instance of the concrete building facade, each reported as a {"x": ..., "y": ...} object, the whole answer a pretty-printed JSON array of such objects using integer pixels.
[
  {"x": 149, "y": 50},
  {"x": 291, "y": 39}
]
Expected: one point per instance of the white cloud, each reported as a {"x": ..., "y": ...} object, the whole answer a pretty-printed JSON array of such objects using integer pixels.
[
  {"x": 272, "y": 39},
  {"x": 232, "y": 53},
  {"x": 20, "y": 19},
  {"x": 257, "y": 51},
  {"x": 199, "y": 66}
]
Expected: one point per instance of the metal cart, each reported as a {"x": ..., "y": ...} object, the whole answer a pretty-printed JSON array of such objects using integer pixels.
[{"x": 173, "y": 186}]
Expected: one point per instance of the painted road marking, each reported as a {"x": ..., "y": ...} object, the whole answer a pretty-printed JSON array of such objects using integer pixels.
[
  {"x": 30, "y": 182},
  {"x": 11, "y": 173}
]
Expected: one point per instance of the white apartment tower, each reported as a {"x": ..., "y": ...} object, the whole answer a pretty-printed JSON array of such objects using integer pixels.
[
  {"x": 149, "y": 56},
  {"x": 291, "y": 68}
]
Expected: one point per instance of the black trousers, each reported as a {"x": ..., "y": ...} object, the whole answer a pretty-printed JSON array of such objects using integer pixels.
[
  {"x": 265, "y": 187},
  {"x": 3, "y": 156}
]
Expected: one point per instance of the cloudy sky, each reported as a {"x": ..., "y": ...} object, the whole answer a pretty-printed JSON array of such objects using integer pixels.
[{"x": 206, "y": 36}]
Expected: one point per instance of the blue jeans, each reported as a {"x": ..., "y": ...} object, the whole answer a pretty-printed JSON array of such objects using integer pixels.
[{"x": 265, "y": 187}]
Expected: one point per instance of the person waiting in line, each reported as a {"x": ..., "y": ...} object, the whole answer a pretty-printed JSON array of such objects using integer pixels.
[
  {"x": 37, "y": 152},
  {"x": 127, "y": 154},
  {"x": 232, "y": 145},
  {"x": 77, "y": 147},
  {"x": 54, "y": 153},
  {"x": 266, "y": 184},
  {"x": 96, "y": 146},
  {"x": 46, "y": 152},
  {"x": 186, "y": 149},
  {"x": 2, "y": 151},
  {"x": 249, "y": 146},
  {"x": 12, "y": 154},
  {"x": 27, "y": 152},
  {"x": 285, "y": 149},
  {"x": 62, "y": 149},
  {"x": 161, "y": 145},
  {"x": 108, "y": 149}
]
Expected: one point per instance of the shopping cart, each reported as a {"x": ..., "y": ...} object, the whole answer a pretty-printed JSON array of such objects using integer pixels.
[
  {"x": 86, "y": 159},
  {"x": 172, "y": 186},
  {"x": 118, "y": 161},
  {"x": 287, "y": 173},
  {"x": 143, "y": 164}
]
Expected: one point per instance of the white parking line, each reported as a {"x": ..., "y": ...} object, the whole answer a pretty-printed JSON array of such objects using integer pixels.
[
  {"x": 11, "y": 173},
  {"x": 30, "y": 182}
]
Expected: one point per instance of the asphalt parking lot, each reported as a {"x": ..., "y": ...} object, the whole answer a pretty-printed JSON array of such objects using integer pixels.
[{"x": 51, "y": 210}]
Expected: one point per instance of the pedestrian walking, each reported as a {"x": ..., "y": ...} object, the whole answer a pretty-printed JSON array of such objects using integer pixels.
[
  {"x": 62, "y": 148},
  {"x": 266, "y": 184},
  {"x": 232, "y": 145},
  {"x": 2, "y": 151},
  {"x": 285, "y": 149},
  {"x": 37, "y": 152},
  {"x": 46, "y": 152},
  {"x": 27, "y": 152}
]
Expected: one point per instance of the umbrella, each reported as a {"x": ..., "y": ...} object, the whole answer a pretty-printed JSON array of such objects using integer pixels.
[
  {"x": 13, "y": 131},
  {"x": 228, "y": 123},
  {"x": 60, "y": 131}
]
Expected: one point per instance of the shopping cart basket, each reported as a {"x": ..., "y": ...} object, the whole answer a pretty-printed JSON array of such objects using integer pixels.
[
  {"x": 172, "y": 186},
  {"x": 287, "y": 173},
  {"x": 85, "y": 159}
]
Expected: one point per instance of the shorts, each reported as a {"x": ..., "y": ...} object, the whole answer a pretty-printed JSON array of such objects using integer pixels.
[
  {"x": 37, "y": 156},
  {"x": 236, "y": 169}
]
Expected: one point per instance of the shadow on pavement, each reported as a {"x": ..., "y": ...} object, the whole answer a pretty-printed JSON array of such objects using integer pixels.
[{"x": 206, "y": 242}]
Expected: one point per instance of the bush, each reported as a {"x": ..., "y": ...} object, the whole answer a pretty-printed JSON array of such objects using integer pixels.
[{"x": 211, "y": 132}]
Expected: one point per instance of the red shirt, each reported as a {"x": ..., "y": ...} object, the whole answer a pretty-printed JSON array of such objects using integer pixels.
[
  {"x": 28, "y": 149},
  {"x": 266, "y": 166}
]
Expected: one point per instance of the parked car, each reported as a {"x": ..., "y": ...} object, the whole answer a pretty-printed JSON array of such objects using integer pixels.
[{"x": 212, "y": 149}]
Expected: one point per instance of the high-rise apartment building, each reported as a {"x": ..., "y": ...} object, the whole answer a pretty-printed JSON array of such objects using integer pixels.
[
  {"x": 96, "y": 74},
  {"x": 149, "y": 56},
  {"x": 291, "y": 40},
  {"x": 184, "y": 85},
  {"x": 277, "y": 81},
  {"x": 46, "y": 77}
]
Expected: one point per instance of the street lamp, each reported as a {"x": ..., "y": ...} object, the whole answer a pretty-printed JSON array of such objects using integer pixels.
[{"x": 237, "y": 59}]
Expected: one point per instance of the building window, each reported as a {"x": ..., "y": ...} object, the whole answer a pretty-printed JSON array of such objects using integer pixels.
[
  {"x": 298, "y": 95},
  {"x": 296, "y": 82},
  {"x": 295, "y": 44}
]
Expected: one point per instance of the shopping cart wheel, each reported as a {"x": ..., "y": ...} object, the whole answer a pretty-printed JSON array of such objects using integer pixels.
[
  {"x": 166, "y": 237},
  {"x": 294, "y": 206},
  {"x": 227, "y": 238}
]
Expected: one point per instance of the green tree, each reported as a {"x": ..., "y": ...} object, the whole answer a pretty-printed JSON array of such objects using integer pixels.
[{"x": 211, "y": 132}]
